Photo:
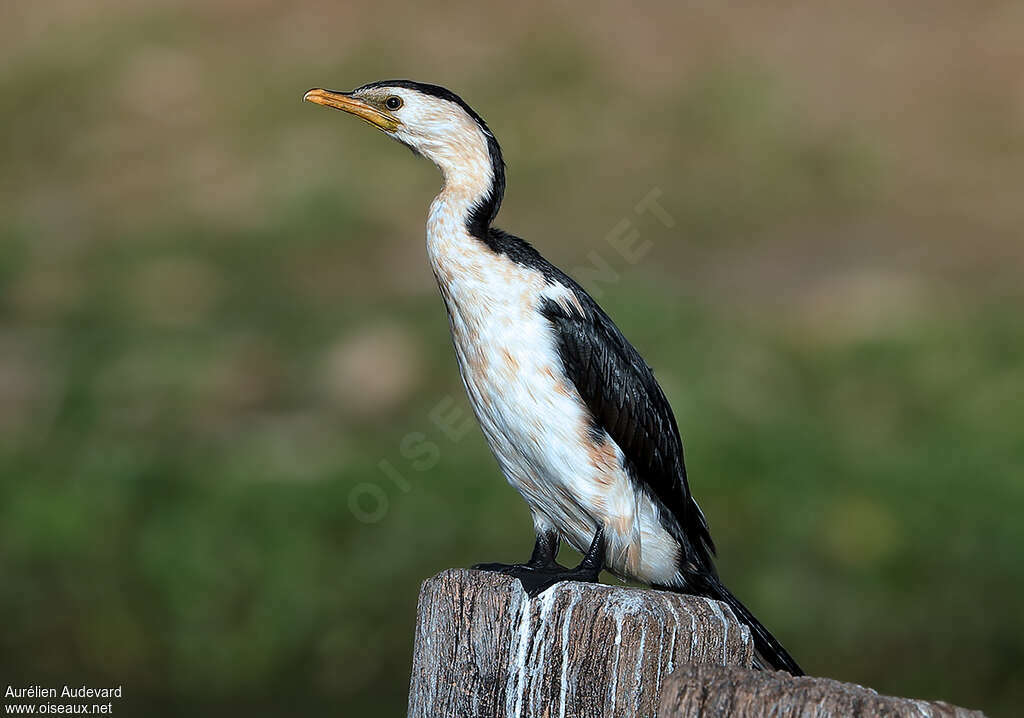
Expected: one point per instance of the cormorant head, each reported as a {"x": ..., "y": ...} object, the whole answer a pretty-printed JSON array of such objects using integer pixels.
[{"x": 433, "y": 122}]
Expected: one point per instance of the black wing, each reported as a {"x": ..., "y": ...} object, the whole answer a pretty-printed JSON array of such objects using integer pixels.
[{"x": 626, "y": 401}]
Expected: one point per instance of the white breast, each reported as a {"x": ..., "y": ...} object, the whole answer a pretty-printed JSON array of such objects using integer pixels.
[{"x": 532, "y": 417}]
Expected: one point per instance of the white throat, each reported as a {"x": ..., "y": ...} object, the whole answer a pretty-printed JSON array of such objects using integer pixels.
[{"x": 465, "y": 165}]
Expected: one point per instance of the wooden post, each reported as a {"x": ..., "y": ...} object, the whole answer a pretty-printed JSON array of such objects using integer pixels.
[
  {"x": 484, "y": 648},
  {"x": 728, "y": 692}
]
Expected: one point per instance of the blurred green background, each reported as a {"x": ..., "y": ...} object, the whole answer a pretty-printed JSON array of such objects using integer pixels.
[{"x": 216, "y": 321}]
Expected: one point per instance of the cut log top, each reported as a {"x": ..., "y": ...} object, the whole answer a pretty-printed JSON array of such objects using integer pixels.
[{"x": 483, "y": 648}]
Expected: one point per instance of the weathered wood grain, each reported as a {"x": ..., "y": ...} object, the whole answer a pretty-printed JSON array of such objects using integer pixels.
[
  {"x": 720, "y": 692},
  {"x": 484, "y": 648}
]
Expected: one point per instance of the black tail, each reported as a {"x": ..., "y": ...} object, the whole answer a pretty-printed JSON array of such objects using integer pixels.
[{"x": 769, "y": 650}]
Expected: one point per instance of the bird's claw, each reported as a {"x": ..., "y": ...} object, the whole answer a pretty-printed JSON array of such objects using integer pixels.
[{"x": 537, "y": 579}]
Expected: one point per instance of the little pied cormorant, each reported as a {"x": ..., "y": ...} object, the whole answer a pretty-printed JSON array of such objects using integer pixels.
[{"x": 572, "y": 412}]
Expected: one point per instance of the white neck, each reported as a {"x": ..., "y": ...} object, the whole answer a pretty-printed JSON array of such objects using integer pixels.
[
  {"x": 460, "y": 151},
  {"x": 467, "y": 174},
  {"x": 448, "y": 239}
]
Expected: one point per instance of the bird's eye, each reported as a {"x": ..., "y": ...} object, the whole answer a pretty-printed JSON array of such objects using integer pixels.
[{"x": 393, "y": 102}]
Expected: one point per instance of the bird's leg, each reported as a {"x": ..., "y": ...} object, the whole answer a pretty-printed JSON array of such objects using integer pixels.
[
  {"x": 543, "y": 557},
  {"x": 592, "y": 563},
  {"x": 542, "y": 572},
  {"x": 545, "y": 550}
]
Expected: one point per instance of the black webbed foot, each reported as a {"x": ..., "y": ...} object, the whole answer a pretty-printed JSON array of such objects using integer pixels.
[
  {"x": 544, "y": 552},
  {"x": 506, "y": 568},
  {"x": 542, "y": 572},
  {"x": 536, "y": 581}
]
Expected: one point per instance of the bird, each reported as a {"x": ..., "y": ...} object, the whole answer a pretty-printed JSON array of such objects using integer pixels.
[{"x": 571, "y": 411}]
